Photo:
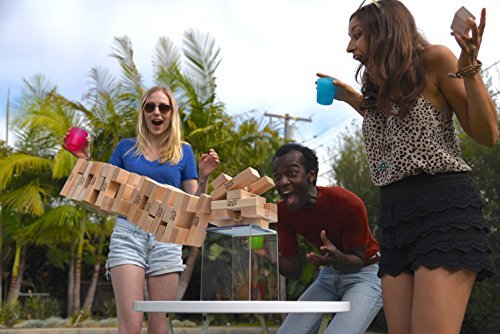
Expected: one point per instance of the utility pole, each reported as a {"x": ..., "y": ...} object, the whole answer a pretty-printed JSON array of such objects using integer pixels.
[
  {"x": 287, "y": 118},
  {"x": 7, "y": 119}
]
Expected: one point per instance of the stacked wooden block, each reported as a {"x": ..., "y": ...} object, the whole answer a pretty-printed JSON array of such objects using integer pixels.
[
  {"x": 168, "y": 212},
  {"x": 237, "y": 201}
]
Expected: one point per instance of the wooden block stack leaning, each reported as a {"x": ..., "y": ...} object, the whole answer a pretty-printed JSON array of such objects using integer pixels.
[
  {"x": 236, "y": 201},
  {"x": 171, "y": 214}
]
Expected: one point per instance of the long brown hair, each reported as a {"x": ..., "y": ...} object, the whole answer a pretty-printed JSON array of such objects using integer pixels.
[
  {"x": 171, "y": 143},
  {"x": 393, "y": 69}
]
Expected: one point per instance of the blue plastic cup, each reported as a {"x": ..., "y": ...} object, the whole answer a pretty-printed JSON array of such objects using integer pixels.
[{"x": 325, "y": 91}]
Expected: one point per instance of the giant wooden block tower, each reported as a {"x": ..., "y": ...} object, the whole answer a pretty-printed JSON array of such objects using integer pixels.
[{"x": 168, "y": 212}]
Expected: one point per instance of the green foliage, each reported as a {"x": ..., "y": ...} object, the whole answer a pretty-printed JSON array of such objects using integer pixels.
[
  {"x": 351, "y": 171},
  {"x": 10, "y": 314},
  {"x": 484, "y": 305},
  {"x": 35, "y": 307}
]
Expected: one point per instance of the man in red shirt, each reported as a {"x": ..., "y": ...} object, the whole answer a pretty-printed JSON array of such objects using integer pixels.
[{"x": 335, "y": 221}]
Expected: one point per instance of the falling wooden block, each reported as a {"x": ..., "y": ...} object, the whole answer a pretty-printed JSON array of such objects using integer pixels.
[
  {"x": 178, "y": 235},
  {"x": 239, "y": 193},
  {"x": 177, "y": 216},
  {"x": 126, "y": 193},
  {"x": 204, "y": 203},
  {"x": 149, "y": 187},
  {"x": 260, "y": 186},
  {"x": 259, "y": 212},
  {"x": 114, "y": 178},
  {"x": 77, "y": 184},
  {"x": 167, "y": 201},
  {"x": 220, "y": 180},
  {"x": 243, "y": 179},
  {"x": 197, "y": 231},
  {"x": 222, "y": 215},
  {"x": 82, "y": 183},
  {"x": 271, "y": 207},
  {"x": 91, "y": 174},
  {"x": 251, "y": 221},
  {"x": 148, "y": 214},
  {"x": 238, "y": 204},
  {"x": 79, "y": 168},
  {"x": 99, "y": 171}
]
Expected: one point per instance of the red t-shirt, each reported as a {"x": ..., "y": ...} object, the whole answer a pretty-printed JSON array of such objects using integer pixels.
[{"x": 339, "y": 212}]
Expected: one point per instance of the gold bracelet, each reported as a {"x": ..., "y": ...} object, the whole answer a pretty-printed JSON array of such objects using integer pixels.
[{"x": 467, "y": 71}]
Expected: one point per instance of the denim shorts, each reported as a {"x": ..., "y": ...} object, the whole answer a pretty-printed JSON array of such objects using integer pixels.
[{"x": 130, "y": 244}]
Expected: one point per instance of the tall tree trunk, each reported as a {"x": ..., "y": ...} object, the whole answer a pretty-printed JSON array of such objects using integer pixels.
[
  {"x": 89, "y": 299},
  {"x": 71, "y": 280},
  {"x": 187, "y": 273},
  {"x": 17, "y": 275},
  {"x": 78, "y": 270}
]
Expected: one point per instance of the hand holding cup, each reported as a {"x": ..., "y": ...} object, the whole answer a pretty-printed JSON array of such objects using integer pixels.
[{"x": 325, "y": 91}]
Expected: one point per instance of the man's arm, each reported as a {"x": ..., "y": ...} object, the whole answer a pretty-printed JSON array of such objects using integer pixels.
[{"x": 290, "y": 266}]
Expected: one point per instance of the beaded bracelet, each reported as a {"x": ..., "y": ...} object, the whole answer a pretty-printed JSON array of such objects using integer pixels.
[{"x": 467, "y": 71}]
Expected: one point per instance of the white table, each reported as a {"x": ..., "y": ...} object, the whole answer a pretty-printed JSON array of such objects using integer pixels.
[{"x": 206, "y": 307}]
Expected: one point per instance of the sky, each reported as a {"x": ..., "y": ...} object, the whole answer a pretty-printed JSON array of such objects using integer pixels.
[{"x": 270, "y": 50}]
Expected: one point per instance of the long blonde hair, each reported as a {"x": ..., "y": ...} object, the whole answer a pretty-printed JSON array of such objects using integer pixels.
[{"x": 171, "y": 143}]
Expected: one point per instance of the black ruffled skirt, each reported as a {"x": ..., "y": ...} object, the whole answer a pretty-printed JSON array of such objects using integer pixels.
[{"x": 433, "y": 221}]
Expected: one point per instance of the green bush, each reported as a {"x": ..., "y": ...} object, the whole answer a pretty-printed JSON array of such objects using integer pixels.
[
  {"x": 35, "y": 307},
  {"x": 10, "y": 314}
]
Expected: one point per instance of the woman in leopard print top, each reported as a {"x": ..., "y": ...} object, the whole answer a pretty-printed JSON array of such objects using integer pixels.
[{"x": 434, "y": 237}]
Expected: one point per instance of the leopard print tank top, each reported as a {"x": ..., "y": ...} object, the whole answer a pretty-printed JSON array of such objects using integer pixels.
[{"x": 424, "y": 141}]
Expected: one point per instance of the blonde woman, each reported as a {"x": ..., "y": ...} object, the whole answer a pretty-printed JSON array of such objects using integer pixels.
[{"x": 135, "y": 255}]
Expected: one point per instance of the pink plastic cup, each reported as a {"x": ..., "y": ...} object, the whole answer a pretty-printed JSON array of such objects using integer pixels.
[{"x": 76, "y": 139}]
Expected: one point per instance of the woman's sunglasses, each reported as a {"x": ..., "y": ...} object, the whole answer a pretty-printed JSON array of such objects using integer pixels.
[{"x": 164, "y": 108}]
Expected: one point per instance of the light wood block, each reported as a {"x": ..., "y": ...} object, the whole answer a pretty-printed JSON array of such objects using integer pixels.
[
  {"x": 125, "y": 194},
  {"x": 115, "y": 177},
  {"x": 177, "y": 216},
  {"x": 252, "y": 221},
  {"x": 239, "y": 193},
  {"x": 260, "y": 186},
  {"x": 204, "y": 203},
  {"x": 223, "y": 215},
  {"x": 91, "y": 175},
  {"x": 197, "y": 231},
  {"x": 75, "y": 186},
  {"x": 179, "y": 235},
  {"x": 83, "y": 182},
  {"x": 79, "y": 168},
  {"x": 107, "y": 203},
  {"x": 238, "y": 204},
  {"x": 259, "y": 212},
  {"x": 271, "y": 207},
  {"x": 240, "y": 181},
  {"x": 220, "y": 180},
  {"x": 141, "y": 198}
]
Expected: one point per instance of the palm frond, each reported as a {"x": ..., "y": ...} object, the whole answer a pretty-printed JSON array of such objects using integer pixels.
[
  {"x": 167, "y": 57},
  {"x": 202, "y": 61},
  {"x": 63, "y": 164},
  {"x": 130, "y": 80},
  {"x": 18, "y": 164},
  {"x": 58, "y": 224},
  {"x": 27, "y": 199}
]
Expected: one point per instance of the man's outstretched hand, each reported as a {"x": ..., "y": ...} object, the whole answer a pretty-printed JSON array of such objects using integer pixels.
[{"x": 328, "y": 252}]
